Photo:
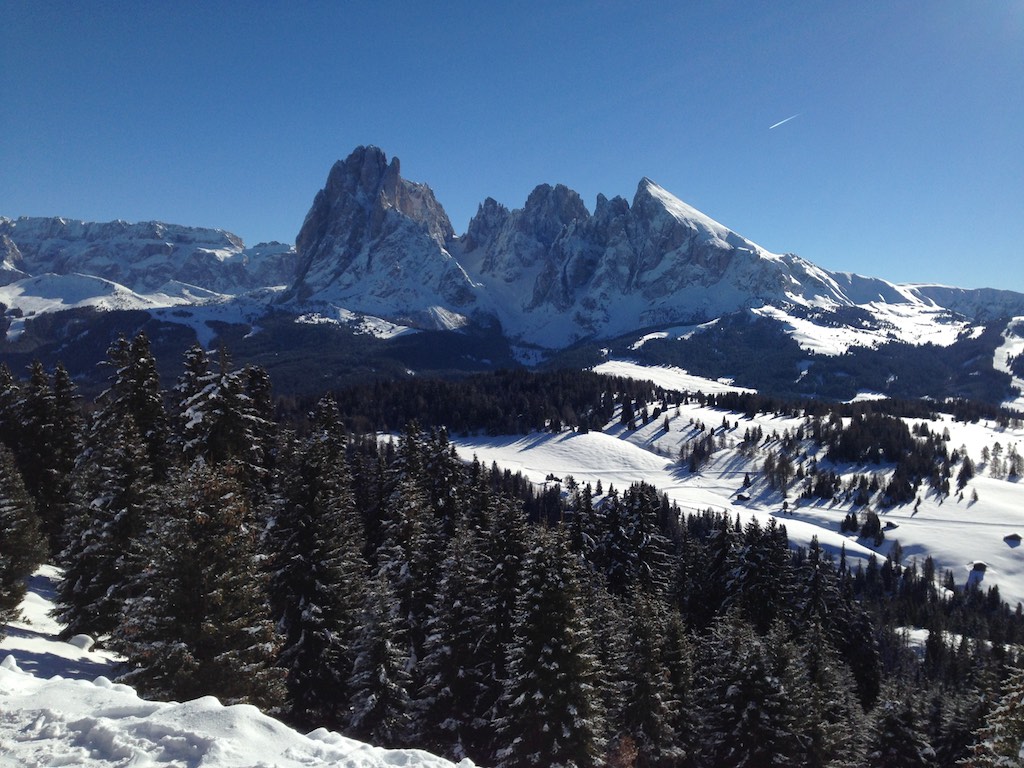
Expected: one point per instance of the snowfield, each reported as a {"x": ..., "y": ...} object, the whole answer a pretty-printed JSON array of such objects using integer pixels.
[
  {"x": 955, "y": 531},
  {"x": 58, "y": 706}
]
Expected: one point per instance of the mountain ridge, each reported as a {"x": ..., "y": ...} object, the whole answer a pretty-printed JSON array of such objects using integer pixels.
[{"x": 547, "y": 277}]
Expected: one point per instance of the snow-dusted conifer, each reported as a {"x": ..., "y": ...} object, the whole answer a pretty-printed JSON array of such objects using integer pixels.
[
  {"x": 36, "y": 460},
  {"x": 10, "y": 417},
  {"x": 750, "y": 694},
  {"x": 317, "y": 585},
  {"x": 22, "y": 546},
  {"x": 897, "y": 737},
  {"x": 759, "y": 583},
  {"x": 636, "y": 555},
  {"x": 550, "y": 710},
  {"x": 452, "y": 703},
  {"x": 201, "y": 625},
  {"x": 380, "y": 705},
  {"x": 106, "y": 550},
  {"x": 650, "y": 704},
  {"x": 999, "y": 742}
]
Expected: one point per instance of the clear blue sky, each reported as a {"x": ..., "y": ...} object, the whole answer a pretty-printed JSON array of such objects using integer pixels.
[{"x": 906, "y": 160}]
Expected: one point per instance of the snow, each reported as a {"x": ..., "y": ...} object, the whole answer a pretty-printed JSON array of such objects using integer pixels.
[
  {"x": 955, "y": 531},
  {"x": 58, "y": 706},
  {"x": 667, "y": 377},
  {"x": 1012, "y": 346},
  {"x": 912, "y": 323},
  {"x": 360, "y": 324}
]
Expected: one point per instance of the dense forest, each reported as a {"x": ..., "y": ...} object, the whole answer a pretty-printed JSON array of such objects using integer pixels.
[{"x": 280, "y": 553}]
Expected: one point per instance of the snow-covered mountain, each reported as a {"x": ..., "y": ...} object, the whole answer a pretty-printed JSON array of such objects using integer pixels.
[
  {"x": 553, "y": 273},
  {"x": 377, "y": 250},
  {"x": 142, "y": 257}
]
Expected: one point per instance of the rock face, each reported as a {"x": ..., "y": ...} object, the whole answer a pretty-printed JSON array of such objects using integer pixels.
[
  {"x": 549, "y": 274},
  {"x": 143, "y": 257},
  {"x": 374, "y": 242},
  {"x": 553, "y": 273},
  {"x": 12, "y": 263}
]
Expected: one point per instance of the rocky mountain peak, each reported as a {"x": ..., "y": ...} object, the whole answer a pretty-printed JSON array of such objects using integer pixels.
[
  {"x": 378, "y": 242},
  {"x": 549, "y": 210}
]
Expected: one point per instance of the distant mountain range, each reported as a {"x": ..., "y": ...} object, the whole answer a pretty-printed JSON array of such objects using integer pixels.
[{"x": 378, "y": 283}]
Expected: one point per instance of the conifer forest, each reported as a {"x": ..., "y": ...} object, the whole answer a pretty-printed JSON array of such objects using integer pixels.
[{"x": 280, "y": 552}]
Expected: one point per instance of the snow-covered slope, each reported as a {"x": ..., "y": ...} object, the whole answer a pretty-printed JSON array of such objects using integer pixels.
[
  {"x": 956, "y": 531},
  {"x": 58, "y": 706}
]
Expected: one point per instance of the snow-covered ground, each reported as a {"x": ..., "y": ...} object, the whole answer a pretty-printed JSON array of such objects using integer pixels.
[
  {"x": 58, "y": 706},
  {"x": 955, "y": 531}
]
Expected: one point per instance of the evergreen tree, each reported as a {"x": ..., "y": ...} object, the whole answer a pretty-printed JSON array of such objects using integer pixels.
[
  {"x": 317, "y": 585},
  {"x": 411, "y": 550},
  {"x": 380, "y": 709},
  {"x": 10, "y": 412},
  {"x": 760, "y": 577},
  {"x": 36, "y": 459},
  {"x": 452, "y": 704},
  {"x": 1000, "y": 741},
  {"x": 650, "y": 707},
  {"x": 750, "y": 689},
  {"x": 22, "y": 546},
  {"x": 106, "y": 551},
  {"x": 200, "y": 625},
  {"x": 505, "y": 545},
  {"x": 897, "y": 738},
  {"x": 550, "y": 714},
  {"x": 635, "y": 553},
  {"x": 834, "y": 724}
]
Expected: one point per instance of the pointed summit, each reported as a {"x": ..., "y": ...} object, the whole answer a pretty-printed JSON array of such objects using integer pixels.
[{"x": 376, "y": 243}]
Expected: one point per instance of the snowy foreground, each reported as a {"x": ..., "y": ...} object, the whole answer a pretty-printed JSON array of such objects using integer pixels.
[{"x": 59, "y": 707}]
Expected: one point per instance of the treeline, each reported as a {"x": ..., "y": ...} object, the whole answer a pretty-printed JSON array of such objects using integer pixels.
[
  {"x": 403, "y": 596},
  {"x": 504, "y": 402}
]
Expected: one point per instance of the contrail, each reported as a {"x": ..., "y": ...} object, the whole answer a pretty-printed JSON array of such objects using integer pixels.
[{"x": 783, "y": 122}]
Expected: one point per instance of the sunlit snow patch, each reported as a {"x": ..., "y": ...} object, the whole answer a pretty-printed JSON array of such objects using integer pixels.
[
  {"x": 909, "y": 323},
  {"x": 667, "y": 377},
  {"x": 367, "y": 325}
]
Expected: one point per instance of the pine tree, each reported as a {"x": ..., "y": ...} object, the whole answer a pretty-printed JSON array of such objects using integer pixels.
[
  {"x": 897, "y": 738},
  {"x": 380, "y": 709},
  {"x": 22, "y": 545},
  {"x": 452, "y": 704},
  {"x": 550, "y": 713},
  {"x": 749, "y": 689},
  {"x": 635, "y": 553},
  {"x": 1000, "y": 741},
  {"x": 760, "y": 576},
  {"x": 10, "y": 413},
  {"x": 201, "y": 625},
  {"x": 834, "y": 724},
  {"x": 411, "y": 547},
  {"x": 650, "y": 707},
  {"x": 36, "y": 459},
  {"x": 106, "y": 551},
  {"x": 317, "y": 585}
]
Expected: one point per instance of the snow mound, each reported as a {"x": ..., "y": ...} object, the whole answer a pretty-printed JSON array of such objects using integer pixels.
[{"x": 99, "y": 723}]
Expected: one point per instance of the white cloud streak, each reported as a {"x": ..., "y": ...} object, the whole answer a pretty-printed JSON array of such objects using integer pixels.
[{"x": 783, "y": 122}]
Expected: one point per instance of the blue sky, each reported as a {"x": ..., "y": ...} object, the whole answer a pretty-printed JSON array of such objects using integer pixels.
[{"x": 906, "y": 160}]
